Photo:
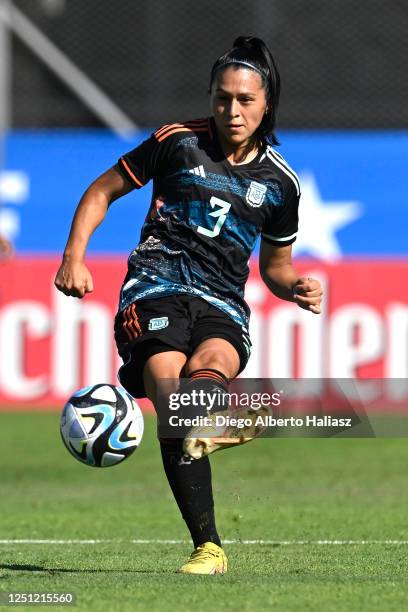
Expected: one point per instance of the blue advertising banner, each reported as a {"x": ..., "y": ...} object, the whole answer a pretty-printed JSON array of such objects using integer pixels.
[{"x": 354, "y": 191}]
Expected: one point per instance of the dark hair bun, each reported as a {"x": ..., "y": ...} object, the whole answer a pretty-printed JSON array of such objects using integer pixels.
[{"x": 249, "y": 42}]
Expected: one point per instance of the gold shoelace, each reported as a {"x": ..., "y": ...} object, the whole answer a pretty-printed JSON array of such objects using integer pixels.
[{"x": 202, "y": 554}]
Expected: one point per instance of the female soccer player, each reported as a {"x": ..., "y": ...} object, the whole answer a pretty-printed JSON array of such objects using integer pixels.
[{"x": 217, "y": 184}]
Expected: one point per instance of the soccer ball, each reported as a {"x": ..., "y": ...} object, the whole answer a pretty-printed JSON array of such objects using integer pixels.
[{"x": 101, "y": 425}]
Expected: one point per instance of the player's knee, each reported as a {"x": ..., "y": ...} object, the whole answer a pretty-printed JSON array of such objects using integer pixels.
[
  {"x": 209, "y": 358},
  {"x": 217, "y": 354}
]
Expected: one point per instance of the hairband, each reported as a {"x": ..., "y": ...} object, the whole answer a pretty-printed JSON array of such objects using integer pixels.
[{"x": 243, "y": 63}]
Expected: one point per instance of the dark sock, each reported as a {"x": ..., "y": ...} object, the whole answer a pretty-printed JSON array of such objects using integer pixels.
[
  {"x": 213, "y": 382},
  {"x": 208, "y": 376},
  {"x": 190, "y": 481}
]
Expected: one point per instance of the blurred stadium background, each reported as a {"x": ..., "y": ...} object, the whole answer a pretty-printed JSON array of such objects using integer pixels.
[{"x": 83, "y": 82}]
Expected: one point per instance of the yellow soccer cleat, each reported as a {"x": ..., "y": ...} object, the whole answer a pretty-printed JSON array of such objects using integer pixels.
[
  {"x": 226, "y": 429},
  {"x": 207, "y": 559}
]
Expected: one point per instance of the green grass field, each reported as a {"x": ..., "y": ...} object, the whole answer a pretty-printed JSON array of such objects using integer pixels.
[{"x": 286, "y": 490}]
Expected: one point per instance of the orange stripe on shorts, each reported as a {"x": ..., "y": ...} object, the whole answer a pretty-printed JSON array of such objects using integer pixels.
[
  {"x": 125, "y": 324},
  {"x": 136, "y": 320}
]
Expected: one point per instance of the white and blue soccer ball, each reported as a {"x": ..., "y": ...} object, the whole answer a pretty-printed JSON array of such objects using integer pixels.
[{"x": 101, "y": 425}]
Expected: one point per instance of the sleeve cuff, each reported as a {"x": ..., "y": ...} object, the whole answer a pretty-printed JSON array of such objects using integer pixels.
[
  {"x": 128, "y": 173},
  {"x": 279, "y": 240}
]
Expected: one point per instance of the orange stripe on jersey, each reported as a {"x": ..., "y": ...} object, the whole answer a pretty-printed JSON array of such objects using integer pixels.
[
  {"x": 193, "y": 122},
  {"x": 128, "y": 170},
  {"x": 183, "y": 129},
  {"x": 162, "y": 129},
  {"x": 180, "y": 126}
]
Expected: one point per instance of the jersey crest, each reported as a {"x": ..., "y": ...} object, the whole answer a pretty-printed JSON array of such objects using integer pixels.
[
  {"x": 158, "y": 323},
  {"x": 256, "y": 194}
]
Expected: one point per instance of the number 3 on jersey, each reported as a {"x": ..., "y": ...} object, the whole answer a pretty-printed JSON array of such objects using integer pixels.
[{"x": 220, "y": 214}]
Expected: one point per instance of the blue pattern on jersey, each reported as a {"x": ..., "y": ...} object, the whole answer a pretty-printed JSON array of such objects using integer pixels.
[
  {"x": 234, "y": 228},
  {"x": 150, "y": 284},
  {"x": 237, "y": 185}
]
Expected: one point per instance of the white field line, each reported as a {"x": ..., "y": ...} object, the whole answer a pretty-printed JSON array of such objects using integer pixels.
[{"x": 228, "y": 542}]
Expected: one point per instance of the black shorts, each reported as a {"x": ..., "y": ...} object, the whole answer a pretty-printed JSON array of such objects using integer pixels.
[{"x": 173, "y": 323}]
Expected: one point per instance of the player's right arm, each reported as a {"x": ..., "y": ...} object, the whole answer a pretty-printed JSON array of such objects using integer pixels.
[
  {"x": 133, "y": 171},
  {"x": 73, "y": 277}
]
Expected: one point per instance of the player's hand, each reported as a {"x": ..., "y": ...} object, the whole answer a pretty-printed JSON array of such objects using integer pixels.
[
  {"x": 307, "y": 293},
  {"x": 73, "y": 278}
]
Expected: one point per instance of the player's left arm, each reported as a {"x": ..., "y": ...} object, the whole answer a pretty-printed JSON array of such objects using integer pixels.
[{"x": 279, "y": 275}]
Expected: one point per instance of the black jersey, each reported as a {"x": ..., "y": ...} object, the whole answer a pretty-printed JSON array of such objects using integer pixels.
[{"x": 205, "y": 216}]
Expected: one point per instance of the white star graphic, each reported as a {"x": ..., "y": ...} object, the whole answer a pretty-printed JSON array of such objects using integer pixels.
[
  {"x": 14, "y": 186},
  {"x": 319, "y": 221},
  {"x": 14, "y": 189}
]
